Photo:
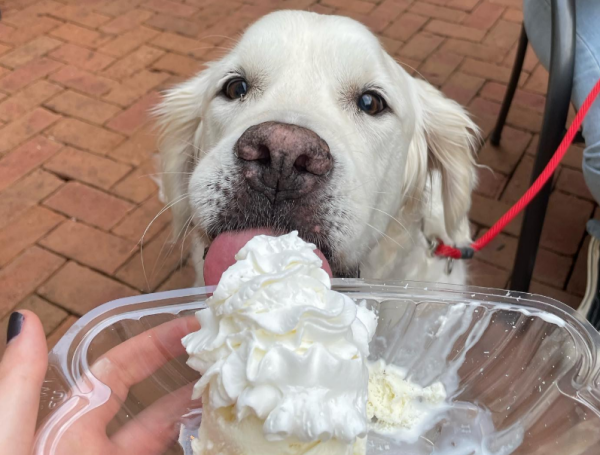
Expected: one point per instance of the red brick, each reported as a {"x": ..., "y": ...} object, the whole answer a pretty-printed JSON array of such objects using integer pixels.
[
  {"x": 564, "y": 226},
  {"x": 3, "y": 50},
  {"x": 26, "y": 100},
  {"x": 486, "y": 212},
  {"x": 25, "y": 231},
  {"x": 24, "y": 159},
  {"x": 27, "y": 192},
  {"x": 321, "y": 9},
  {"x": 50, "y": 315},
  {"x": 572, "y": 182},
  {"x": 390, "y": 45},
  {"x": 169, "y": 7},
  {"x": 520, "y": 181},
  {"x": 439, "y": 66},
  {"x": 85, "y": 82},
  {"x": 352, "y": 5},
  {"x": 82, "y": 15},
  {"x": 421, "y": 46},
  {"x": 490, "y": 184},
  {"x": 375, "y": 23},
  {"x": 529, "y": 63},
  {"x": 159, "y": 258},
  {"x": 81, "y": 57},
  {"x": 80, "y": 35},
  {"x": 177, "y": 64},
  {"x": 474, "y": 50},
  {"x": 138, "y": 148},
  {"x": 118, "y": 7},
  {"x": 87, "y": 168},
  {"x": 505, "y": 157},
  {"x": 484, "y": 16},
  {"x": 126, "y": 22},
  {"x": 551, "y": 268},
  {"x": 129, "y": 41},
  {"x": 138, "y": 185},
  {"x": 573, "y": 158},
  {"x": 508, "y": 3},
  {"x": 89, "y": 205},
  {"x": 438, "y": 12},
  {"x": 500, "y": 251},
  {"x": 173, "y": 24},
  {"x": 130, "y": 120},
  {"x": 29, "y": 52},
  {"x": 24, "y": 274},
  {"x": 182, "y": 278},
  {"x": 145, "y": 222},
  {"x": 85, "y": 136},
  {"x": 132, "y": 63},
  {"x": 513, "y": 15},
  {"x": 80, "y": 289},
  {"x": 6, "y": 32},
  {"x": 37, "y": 27},
  {"x": 405, "y": 26},
  {"x": 538, "y": 81},
  {"x": 455, "y": 31},
  {"x": 181, "y": 45},
  {"x": 495, "y": 91},
  {"x": 524, "y": 119},
  {"x": 557, "y": 294},
  {"x": 135, "y": 87},
  {"x": 25, "y": 127},
  {"x": 486, "y": 275},
  {"x": 89, "y": 246},
  {"x": 60, "y": 331},
  {"x": 29, "y": 10},
  {"x": 73, "y": 104},
  {"x": 465, "y": 5},
  {"x": 486, "y": 70},
  {"x": 462, "y": 87},
  {"x": 503, "y": 35}
]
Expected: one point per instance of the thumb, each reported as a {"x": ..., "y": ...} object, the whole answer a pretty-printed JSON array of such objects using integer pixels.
[{"x": 22, "y": 372}]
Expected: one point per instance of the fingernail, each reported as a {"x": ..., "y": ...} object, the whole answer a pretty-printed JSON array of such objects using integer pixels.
[{"x": 15, "y": 324}]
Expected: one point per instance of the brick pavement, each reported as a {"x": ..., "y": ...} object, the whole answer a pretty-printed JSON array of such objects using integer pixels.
[{"x": 78, "y": 76}]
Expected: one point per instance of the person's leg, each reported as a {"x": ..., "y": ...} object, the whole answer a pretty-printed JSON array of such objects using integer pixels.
[{"x": 538, "y": 24}]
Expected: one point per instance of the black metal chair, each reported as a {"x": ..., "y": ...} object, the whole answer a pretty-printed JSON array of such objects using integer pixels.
[{"x": 558, "y": 98}]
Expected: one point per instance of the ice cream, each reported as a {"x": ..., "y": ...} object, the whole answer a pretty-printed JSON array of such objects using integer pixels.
[
  {"x": 396, "y": 405},
  {"x": 282, "y": 357}
]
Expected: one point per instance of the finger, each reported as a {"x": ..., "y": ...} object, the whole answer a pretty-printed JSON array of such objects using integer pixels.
[
  {"x": 136, "y": 359},
  {"x": 156, "y": 428},
  {"x": 22, "y": 373}
]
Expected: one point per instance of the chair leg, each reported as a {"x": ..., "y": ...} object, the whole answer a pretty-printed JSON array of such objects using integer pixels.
[
  {"x": 562, "y": 63},
  {"x": 512, "y": 87}
]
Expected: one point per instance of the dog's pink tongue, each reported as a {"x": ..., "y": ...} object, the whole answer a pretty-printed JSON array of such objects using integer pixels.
[{"x": 221, "y": 254}]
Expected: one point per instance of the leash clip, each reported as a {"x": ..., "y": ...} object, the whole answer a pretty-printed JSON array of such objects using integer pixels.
[{"x": 432, "y": 245}]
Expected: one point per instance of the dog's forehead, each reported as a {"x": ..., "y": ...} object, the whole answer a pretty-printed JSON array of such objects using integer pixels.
[{"x": 307, "y": 40}]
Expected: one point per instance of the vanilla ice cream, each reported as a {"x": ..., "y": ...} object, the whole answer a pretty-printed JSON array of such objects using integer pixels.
[
  {"x": 282, "y": 357},
  {"x": 396, "y": 404}
]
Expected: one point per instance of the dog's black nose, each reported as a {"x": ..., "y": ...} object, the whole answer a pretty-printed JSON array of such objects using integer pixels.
[{"x": 283, "y": 161}]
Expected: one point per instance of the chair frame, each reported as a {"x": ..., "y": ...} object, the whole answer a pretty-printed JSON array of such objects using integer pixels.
[{"x": 558, "y": 98}]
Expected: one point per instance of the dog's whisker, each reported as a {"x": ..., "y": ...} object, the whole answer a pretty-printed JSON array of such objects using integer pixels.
[
  {"x": 141, "y": 242},
  {"x": 385, "y": 235}
]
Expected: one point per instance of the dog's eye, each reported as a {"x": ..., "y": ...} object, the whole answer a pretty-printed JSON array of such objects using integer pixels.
[
  {"x": 235, "y": 88},
  {"x": 371, "y": 103}
]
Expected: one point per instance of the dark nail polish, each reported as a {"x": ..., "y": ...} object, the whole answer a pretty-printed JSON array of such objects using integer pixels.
[{"x": 15, "y": 324}]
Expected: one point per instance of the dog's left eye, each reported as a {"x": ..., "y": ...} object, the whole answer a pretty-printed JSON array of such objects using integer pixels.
[
  {"x": 235, "y": 88},
  {"x": 371, "y": 103}
]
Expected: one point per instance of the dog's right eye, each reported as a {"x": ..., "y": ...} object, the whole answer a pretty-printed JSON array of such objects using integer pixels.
[{"x": 235, "y": 88}]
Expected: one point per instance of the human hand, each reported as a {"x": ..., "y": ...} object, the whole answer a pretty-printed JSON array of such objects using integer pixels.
[
  {"x": 155, "y": 429},
  {"x": 22, "y": 372}
]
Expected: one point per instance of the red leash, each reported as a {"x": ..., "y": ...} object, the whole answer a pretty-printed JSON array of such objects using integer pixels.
[{"x": 466, "y": 253}]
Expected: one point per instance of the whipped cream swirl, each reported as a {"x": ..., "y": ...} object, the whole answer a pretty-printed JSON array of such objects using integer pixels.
[{"x": 276, "y": 342}]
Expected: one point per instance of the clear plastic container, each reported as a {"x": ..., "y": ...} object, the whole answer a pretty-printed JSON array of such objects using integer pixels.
[{"x": 520, "y": 371}]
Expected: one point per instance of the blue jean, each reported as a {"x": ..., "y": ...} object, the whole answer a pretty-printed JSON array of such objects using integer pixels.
[{"x": 538, "y": 24}]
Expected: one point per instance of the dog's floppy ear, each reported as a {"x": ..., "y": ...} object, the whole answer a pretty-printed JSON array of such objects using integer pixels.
[
  {"x": 179, "y": 116},
  {"x": 445, "y": 141}
]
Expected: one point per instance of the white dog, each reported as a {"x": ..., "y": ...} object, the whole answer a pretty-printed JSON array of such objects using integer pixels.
[{"x": 309, "y": 125}]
